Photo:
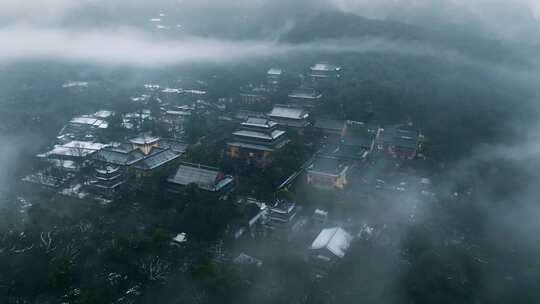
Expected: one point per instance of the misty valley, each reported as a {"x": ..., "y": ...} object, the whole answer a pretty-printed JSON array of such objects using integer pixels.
[{"x": 269, "y": 152}]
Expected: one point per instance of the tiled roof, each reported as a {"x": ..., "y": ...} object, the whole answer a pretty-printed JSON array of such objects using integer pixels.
[
  {"x": 305, "y": 93},
  {"x": 401, "y": 136},
  {"x": 260, "y": 135},
  {"x": 250, "y": 146},
  {"x": 90, "y": 121},
  {"x": 288, "y": 112},
  {"x": 259, "y": 122},
  {"x": 330, "y": 124},
  {"x": 157, "y": 159},
  {"x": 205, "y": 178},
  {"x": 118, "y": 157},
  {"x": 325, "y": 164},
  {"x": 144, "y": 140}
]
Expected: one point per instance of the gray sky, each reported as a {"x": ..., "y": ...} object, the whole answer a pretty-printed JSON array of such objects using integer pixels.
[
  {"x": 515, "y": 19},
  {"x": 495, "y": 13},
  {"x": 41, "y": 29}
]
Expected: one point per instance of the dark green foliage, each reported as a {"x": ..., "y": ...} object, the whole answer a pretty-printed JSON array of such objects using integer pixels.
[{"x": 61, "y": 273}]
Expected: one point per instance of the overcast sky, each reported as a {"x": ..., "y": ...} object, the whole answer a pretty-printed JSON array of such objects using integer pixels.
[
  {"x": 496, "y": 13},
  {"x": 41, "y": 29}
]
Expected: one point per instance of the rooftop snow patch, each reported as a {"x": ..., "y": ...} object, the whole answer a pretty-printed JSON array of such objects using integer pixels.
[
  {"x": 90, "y": 121},
  {"x": 274, "y": 71},
  {"x": 336, "y": 240},
  {"x": 144, "y": 140},
  {"x": 259, "y": 122},
  {"x": 288, "y": 112},
  {"x": 75, "y": 148},
  {"x": 103, "y": 114},
  {"x": 325, "y": 67},
  {"x": 75, "y": 84}
]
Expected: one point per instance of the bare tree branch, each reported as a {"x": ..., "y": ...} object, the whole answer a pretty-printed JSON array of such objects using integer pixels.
[
  {"x": 47, "y": 242},
  {"x": 154, "y": 268}
]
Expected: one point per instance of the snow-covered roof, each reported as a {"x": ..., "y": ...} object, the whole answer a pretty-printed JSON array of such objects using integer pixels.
[
  {"x": 325, "y": 67},
  {"x": 259, "y": 122},
  {"x": 75, "y": 148},
  {"x": 119, "y": 157},
  {"x": 195, "y": 92},
  {"x": 274, "y": 71},
  {"x": 253, "y": 134},
  {"x": 288, "y": 112},
  {"x": 144, "y": 140},
  {"x": 91, "y": 121},
  {"x": 172, "y": 90},
  {"x": 103, "y": 114},
  {"x": 75, "y": 84},
  {"x": 157, "y": 159},
  {"x": 87, "y": 145},
  {"x": 320, "y": 212},
  {"x": 244, "y": 115},
  {"x": 143, "y": 97},
  {"x": 180, "y": 238},
  {"x": 250, "y": 146},
  {"x": 142, "y": 115},
  {"x": 108, "y": 170},
  {"x": 185, "y": 108},
  {"x": 178, "y": 113},
  {"x": 152, "y": 86},
  {"x": 336, "y": 240}
]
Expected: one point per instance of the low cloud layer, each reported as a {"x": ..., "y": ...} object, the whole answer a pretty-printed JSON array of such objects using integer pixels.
[
  {"x": 509, "y": 18},
  {"x": 129, "y": 47},
  {"x": 123, "y": 47},
  {"x": 39, "y": 29}
]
